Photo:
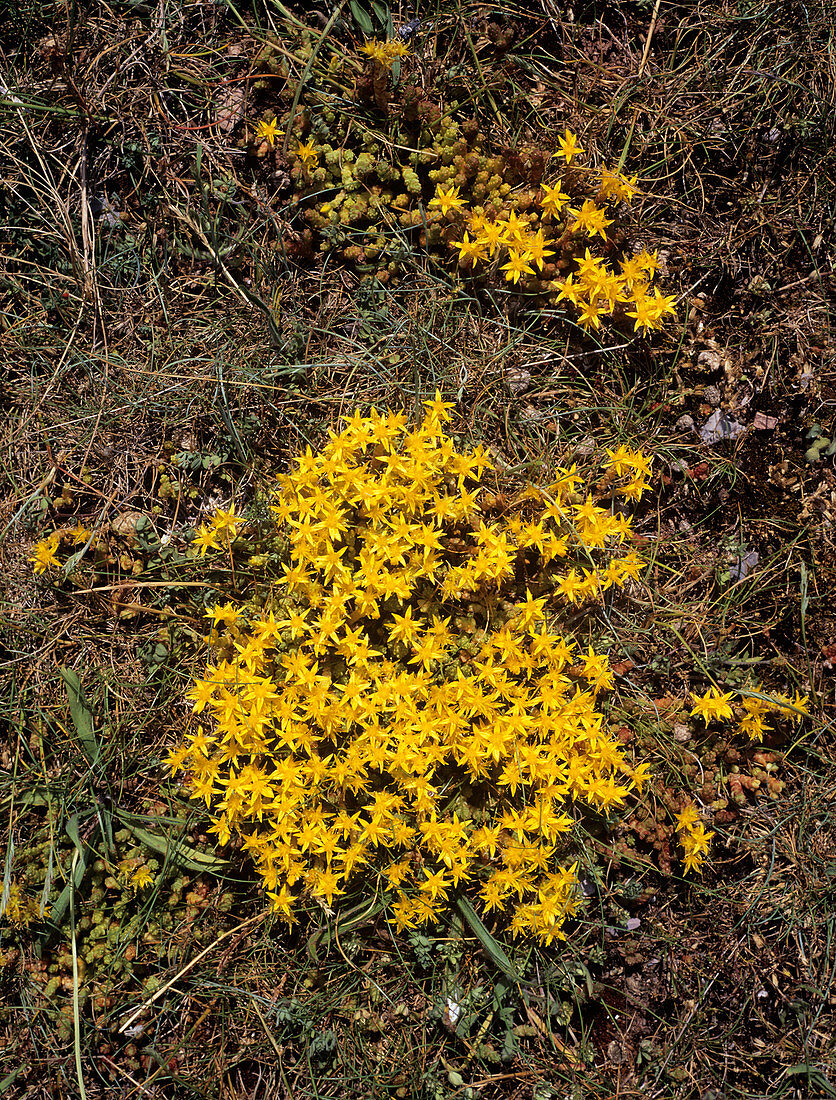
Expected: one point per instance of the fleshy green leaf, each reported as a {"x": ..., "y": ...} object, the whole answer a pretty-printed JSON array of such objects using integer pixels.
[{"x": 192, "y": 859}]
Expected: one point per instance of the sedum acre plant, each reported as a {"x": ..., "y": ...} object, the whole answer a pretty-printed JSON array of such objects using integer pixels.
[
  {"x": 401, "y": 709},
  {"x": 383, "y": 188}
]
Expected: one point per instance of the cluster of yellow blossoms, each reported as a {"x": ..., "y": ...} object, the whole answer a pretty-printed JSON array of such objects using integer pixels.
[
  {"x": 19, "y": 909},
  {"x": 384, "y": 53},
  {"x": 45, "y": 553},
  {"x": 400, "y": 707},
  {"x": 693, "y": 837},
  {"x": 267, "y": 130},
  {"x": 715, "y": 705},
  {"x": 594, "y": 288},
  {"x": 222, "y": 528}
]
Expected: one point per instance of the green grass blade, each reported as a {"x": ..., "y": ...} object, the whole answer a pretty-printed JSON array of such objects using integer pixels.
[
  {"x": 82, "y": 716},
  {"x": 182, "y": 854},
  {"x": 492, "y": 948}
]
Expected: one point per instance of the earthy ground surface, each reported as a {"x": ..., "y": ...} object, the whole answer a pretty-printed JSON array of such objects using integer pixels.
[{"x": 176, "y": 326}]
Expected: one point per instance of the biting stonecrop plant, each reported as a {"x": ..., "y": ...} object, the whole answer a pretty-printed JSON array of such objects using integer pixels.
[
  {"x": 396, "y": 705},
  {"x": 45, "y": 552},
  {"x": 508, "y": 216},
  {"x": 592, "y": 287}
]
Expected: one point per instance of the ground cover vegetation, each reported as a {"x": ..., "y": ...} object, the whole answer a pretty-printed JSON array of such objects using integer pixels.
[{"x": 418, "y": 531}]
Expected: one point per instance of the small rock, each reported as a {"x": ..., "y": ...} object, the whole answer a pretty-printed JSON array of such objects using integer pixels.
[
  {"x": 719, "y": 426},
  {"x": 517, "y": 380},
  {"x": 744, "y": 565},
  {"x": 711, "y": 395},
  {"x": 686, "y": 424},
  {"x": 616, "y": 1053},
  {"x": 230, "y": 109},
  {"x": 127, "y": 524},
  {"x": 709, "y": 359}
]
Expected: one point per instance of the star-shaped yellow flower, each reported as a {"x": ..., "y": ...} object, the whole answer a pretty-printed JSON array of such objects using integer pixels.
[
  {"x": 569, "y": 147},
  {"x": 267, "y": 131},
  {"x": 447, "y": 200},
  {"x": 307, "y": 154},
  {"x": 712, "y": 705}
]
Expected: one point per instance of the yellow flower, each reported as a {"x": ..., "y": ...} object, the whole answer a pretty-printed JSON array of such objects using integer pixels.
[
  {"x": 226, "y": 521},
  {"x": 617, "y": 185},
  {"x": 438, "y": 409},
  {"x": 491, "y": 235},
  {"x": 713, "y": 705},
  {"x": 687, "y": 818},
  {"x": 19, "y": 909},
  {"x": 447, "y": 200},
  {"x": 227, "y": 614},
  {"x": 515, "y": 230},
  {"x": 372, "y": 48},
  {"x": 141, "y": 878},
  {"x": 206, "y": 539},
  {"x": 569, "y": 147},
  {"x": 644, "y": 314},
  {"x": 553, "y": 199},
  {"x": 79, "y": 534},
  {"x": 267, "y": 130},
  {"x": 662, "y": 305},
  {"x": 517, "y": 265},
  {"x": 590, "y": 313},
  {"x": 535, "y": 246},
  {"x": 695, "y": 841},
  {"x": 282, "y": 903},
  {"x": 44, "y": 560},
  {"x": 307, "y": 154},
  {"x": 567, "y": 290},
  {"x": 591, "y": 218},
  {"x": 469, "y": 250},
  {"x": 384, "y": 53},
  {"x": 648, "y": 261}
]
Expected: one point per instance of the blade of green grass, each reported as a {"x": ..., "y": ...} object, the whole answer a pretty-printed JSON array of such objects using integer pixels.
[
  {"x": 492, "y": 948},
  {"x": 82, "y": 716}
]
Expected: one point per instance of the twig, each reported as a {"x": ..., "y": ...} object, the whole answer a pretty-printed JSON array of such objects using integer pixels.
[
  {"x": 164, "y": 988},
  {"x": 303, "y": 78},
  {"x": 650, "y": 31}
]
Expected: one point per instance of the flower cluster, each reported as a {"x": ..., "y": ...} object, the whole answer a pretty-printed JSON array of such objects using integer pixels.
[
  {"x": 715, "y": 705},
  {"x": 20, "y": 909},
  {"x": 385, "y": 54},
  {"x": 401, "y": 706},
  {"x": 594, "y": 288},
  {"x": 45, "y": 552},
  {"x": 750, "y": 710},
  {"x": 221, "y": 529},
  {"x": 693, "y": 837}
]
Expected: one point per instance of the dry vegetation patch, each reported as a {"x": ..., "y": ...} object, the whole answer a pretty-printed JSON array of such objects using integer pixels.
[{"x": 187, "y": 305}]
